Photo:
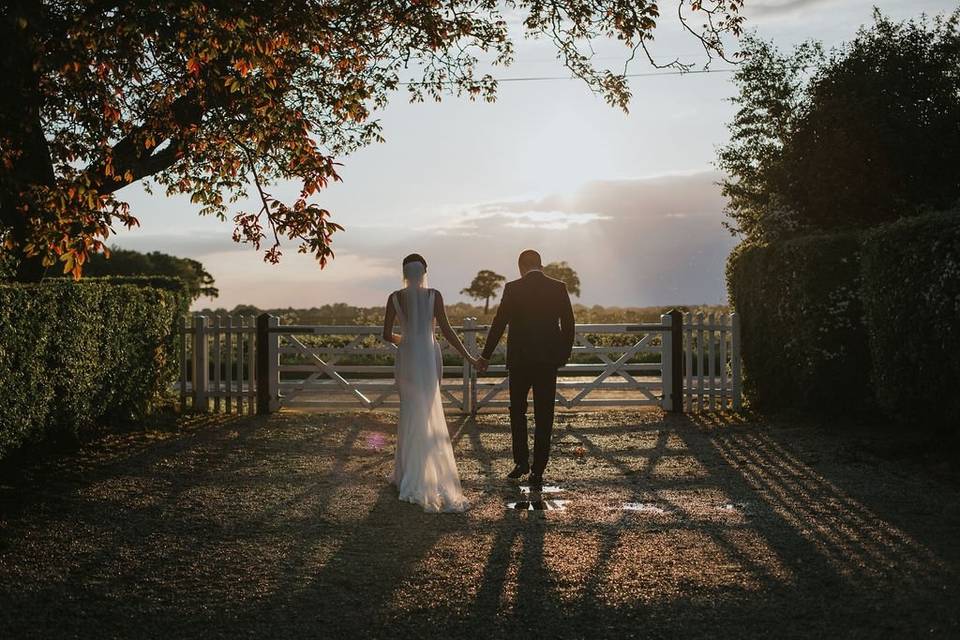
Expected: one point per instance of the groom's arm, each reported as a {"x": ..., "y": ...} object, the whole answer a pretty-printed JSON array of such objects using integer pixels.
[{"x": 500, "y": 321}]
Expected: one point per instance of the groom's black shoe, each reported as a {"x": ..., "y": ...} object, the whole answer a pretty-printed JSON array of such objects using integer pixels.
[
  {"x": 536, "y": 482},
  {"x": 518, "y": 472}
]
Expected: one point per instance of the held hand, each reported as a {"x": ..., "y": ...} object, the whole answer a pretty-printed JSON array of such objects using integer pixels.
[{"x": 482, "y": 364}]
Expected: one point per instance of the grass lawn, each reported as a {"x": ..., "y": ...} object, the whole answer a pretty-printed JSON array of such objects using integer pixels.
[{"x": 284, "y": 526}]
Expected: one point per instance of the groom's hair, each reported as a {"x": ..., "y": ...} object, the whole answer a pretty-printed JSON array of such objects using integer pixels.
[
  {"x": 415, "y": 257},
  {"x": 530, "y": 259}
]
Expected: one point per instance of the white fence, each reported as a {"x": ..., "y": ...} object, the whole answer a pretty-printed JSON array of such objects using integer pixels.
[
  {"x": 711, "y": 361},
  {"x": 243, "y": 364},
  {"x": 322, "y": 366},
  {"x": 611, "y": 366},
  {"x": 217, "y": 364}
]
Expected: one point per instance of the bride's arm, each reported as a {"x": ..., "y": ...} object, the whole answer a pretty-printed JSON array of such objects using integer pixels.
[
  {"x": 389, "y": 317},
  {"x": 440, "y": 313}
]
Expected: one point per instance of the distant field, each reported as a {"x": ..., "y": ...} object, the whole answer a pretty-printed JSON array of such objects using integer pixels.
[{"x": 344, "y": 314}]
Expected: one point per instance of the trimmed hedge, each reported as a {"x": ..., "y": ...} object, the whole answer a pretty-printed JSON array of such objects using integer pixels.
[
  {"x": 167, "y": 283},
  {"x": 911, "y": 294},
  {"x": 846, "y": 322},
  {"x": 76, "y": 356},
  {"x": 804, "y": 341}
]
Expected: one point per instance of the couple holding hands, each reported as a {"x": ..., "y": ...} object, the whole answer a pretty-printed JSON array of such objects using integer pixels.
[{"x": 538, "y": 312}]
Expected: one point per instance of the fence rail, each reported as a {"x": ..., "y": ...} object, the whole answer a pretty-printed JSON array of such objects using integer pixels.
[{"x": 243, "y": 364}]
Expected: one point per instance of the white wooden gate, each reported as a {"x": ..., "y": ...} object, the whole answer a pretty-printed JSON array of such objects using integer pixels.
[
  {"x": 349, "y": 366},
  {"x": 611, "y": 365},
  {"x": 236, "y": 364}
]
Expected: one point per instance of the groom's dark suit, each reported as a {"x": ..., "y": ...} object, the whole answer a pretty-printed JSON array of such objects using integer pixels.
[{"x": 538, "y": 310}]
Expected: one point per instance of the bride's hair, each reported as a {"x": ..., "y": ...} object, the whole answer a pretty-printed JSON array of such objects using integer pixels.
[
  {"x": 414, "y": 271},
  {"x": 415, "y": 257}
]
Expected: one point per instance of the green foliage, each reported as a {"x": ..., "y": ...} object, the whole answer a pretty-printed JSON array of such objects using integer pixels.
[
  {"x": 8, "y": 263},
  {"x": 861, "y": 137},
  {"x": 911, "y": 293},
  {"x": 770, "y": 96},
  {"x": 484, "y": 286},
  {"x": 804, "y": 343},
  {"x": 565, "y": 273},
  {"x": 344, "y": 314},
  {"x": 124, "y": 262},
  {"x": 77, "y": 356}
]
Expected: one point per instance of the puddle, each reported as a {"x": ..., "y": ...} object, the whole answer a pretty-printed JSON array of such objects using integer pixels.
[
  {"x": 547, "y": 489},
  {"x": 538, "y": 505},
  {"x": 643, "y": 507},
  {"x": 734, "y": 507}
]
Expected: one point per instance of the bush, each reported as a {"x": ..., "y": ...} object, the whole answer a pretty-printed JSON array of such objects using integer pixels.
[
  {"x": 911, "y": 294},
  {"x": 862, "y": 136},
  {"x": 804, "y": 343},
  {"x": 77, "y": 356}
]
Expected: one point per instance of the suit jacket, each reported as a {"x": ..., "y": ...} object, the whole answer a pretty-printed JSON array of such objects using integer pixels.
[{"x": 537, "y": 308}]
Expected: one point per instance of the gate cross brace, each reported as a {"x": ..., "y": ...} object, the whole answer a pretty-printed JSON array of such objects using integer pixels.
[
  {"x": 330, "y": 371},
  {"x": 610, "y": 369}
]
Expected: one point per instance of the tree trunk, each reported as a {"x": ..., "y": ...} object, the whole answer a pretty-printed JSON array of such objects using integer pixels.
[
  {"x": 21, "y": 126},
  {"x": 486, "y": 305}
]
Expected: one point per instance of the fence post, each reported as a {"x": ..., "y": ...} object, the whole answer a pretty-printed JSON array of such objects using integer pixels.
[
  {"x": 200, "y": 363},
  {"x": 184, "y": 330},
  {"x": 735, "y": 360},
  {"x": 666, "y": 362},
  {"x": 268, "y": 372},
  {"x": 688, "y": 360},
  {"x": 474, "y": 392},
  {"x": 251, "y": 365},
  {"x": 470, "y": 335},
  {"x": 676, "y": 330},
  {"x": 672, "y": 361}
]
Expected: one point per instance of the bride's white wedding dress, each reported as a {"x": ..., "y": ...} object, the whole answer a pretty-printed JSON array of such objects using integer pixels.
[{"x": 425, "y": 471}]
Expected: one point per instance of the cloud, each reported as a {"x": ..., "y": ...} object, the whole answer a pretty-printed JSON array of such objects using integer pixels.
[
  {"x": 650, "y": 241},
  {"x": 485, "y": 219},
  {"x": 781, "y": 7},
  {"x": 692, "y": 194},
  {"x": 596, "y": 202},
  {"x": 633, "y": 242}
]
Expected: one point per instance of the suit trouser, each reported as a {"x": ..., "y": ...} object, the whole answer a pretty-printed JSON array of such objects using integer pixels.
[{"x": 543, "y": 380}]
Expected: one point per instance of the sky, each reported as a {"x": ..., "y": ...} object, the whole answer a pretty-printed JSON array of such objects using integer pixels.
[{"x": 629, "y": 200}]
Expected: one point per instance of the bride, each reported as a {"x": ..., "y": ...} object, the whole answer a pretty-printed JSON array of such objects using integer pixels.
[{"x": 425, "y": 470}]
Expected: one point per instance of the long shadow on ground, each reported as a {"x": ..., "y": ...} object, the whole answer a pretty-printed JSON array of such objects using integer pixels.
[{"x": 286, "y": 527}]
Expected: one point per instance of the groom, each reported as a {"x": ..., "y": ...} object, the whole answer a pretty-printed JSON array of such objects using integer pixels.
[{"x": 538, "y": 310}]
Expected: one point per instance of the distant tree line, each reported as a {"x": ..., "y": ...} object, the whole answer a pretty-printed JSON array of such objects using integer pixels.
[
  {"x": 125, "y": 262},
  {"x": 486, "y": 283}
]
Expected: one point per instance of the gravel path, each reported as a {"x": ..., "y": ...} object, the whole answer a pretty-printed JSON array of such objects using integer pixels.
[{"x": 285, "y": 527}]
